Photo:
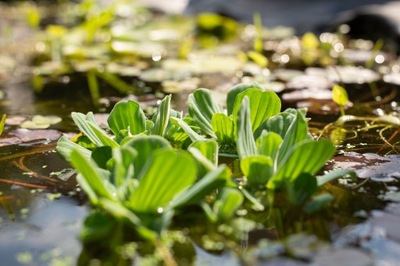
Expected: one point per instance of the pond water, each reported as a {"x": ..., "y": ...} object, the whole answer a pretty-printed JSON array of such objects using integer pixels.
[{"x": 43, "y": 208}]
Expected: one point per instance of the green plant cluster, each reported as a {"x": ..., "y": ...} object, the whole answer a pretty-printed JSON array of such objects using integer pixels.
[{"x": 144, "y": 171}]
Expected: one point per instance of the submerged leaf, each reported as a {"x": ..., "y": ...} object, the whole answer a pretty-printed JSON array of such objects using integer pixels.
[
  {"x": 318, "y": 202},
  {"x": 229, "y": 200},
  {"x": 301, "y": 188}
]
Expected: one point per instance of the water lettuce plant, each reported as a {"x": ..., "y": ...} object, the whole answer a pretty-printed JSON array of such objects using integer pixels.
[{"x": 144, "y": 172}]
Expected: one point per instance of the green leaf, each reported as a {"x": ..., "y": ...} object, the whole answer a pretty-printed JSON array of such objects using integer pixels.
[
  {"x": 263, "y": 105},
  {"x": 208, "y": 148},
  {"x": 161, "y": 117},
  {"x": 268, "y": 144},
  {"x": 120, "y": 212},
  {"x": 82, "y": 121},
  {"x": 127, "y": 116},
  {"x": 97, "y": 227},
  {"x": 278, "y": 123},
  {"x": 229, "y": 200},
  {"x": 296, "y": 133},
  {"x": 245, "y": 142},
  {"x": 306, "y": 157},
  {"x": 66, "y": 146},
  {"x": 318, "y": 203},
  {"x": 224, "y": 128},
  {"x": 257, "y": 169},
  {"x": 339, "y": 95},
  {"x": 145, "y": 147},
  {"x": 93, "y": 176},
  {"x": 102, "y": 136},
  {"x": 123, "y": 168},
  {"x": 204, "y": 165},
  {"x": 201, "y": 108},
  {"x": 189, "y": 131},
  {"x": 257, "y": 206},
  {"x": 334, "y": 174},
  {"x": 231, "y": 97},
  {"x": 213, "y": 180},
  {"x": 101, "y": 156},
  {"x": 164, "y": 176},
  {"x": 301, "y": 188}
]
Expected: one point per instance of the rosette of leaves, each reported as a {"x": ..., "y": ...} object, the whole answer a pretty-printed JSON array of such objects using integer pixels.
[
  {"x": 275, "y": 148},
  {"x": 137, "y": 176}
]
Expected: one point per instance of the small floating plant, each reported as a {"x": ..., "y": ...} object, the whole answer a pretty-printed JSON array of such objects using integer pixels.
[{"x": 145, "y": 173}]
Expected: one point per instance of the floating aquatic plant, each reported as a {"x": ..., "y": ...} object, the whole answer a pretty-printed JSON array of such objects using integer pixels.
[{"x": 136, "y": 175}]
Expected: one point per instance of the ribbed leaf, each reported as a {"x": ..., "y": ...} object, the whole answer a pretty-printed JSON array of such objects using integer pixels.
[
  {"x": 213, "y": 180},
  {"x": 208, "y": 148},
  {"x": 257, "y": 169},
  {"x": 189, "y": 131},
  {"x": 95, "y": 177},
  {"x": 164, "y": 176},
  {"x": 224, "y": 128},
  {"x": 123, "y": 166},
  {"x": 296, "y": 133},
  {"x": 145, "y": 147},
  {"x": 306, "y": 157},
  {"x": 201, "y": 108},
  {"x": 263, "y": 104},
  {"x": 102, "y": 136},
  {"x": 161, "y": 117},
  {"x": 230, "y": 100},
  {"x": 278, "y": 123},
  {"x": 245, "y": 142},
  {"x": 127, "y": 116},
  {"x": 82, "y": 121},
  {"x": 66, "y": 146},
  {"x": 268, "y": 144},
  {"x": 204, "y": 165}
]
